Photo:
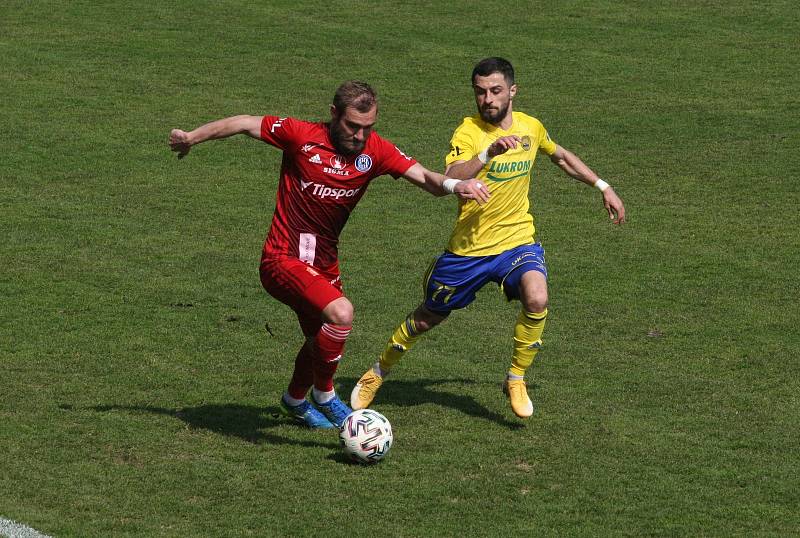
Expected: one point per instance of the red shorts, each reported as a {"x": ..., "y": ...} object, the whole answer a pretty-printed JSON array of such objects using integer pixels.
[{"x": 305, "y": 289}]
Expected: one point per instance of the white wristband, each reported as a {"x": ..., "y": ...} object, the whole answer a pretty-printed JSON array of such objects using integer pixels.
[
  {"x": 602, "y": 185},
  {"x": 483, "y": 156},
  {"x": 449, "y": 184}
]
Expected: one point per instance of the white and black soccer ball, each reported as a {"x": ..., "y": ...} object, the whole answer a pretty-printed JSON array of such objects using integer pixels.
[{"x": 366, "y": 436}]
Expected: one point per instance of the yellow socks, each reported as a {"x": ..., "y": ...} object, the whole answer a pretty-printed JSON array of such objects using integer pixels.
[
  {"x": 527, "y": 341},
  {"x": 404, "y": 337}
]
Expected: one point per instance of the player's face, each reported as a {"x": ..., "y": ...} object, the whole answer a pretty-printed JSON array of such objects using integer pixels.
[
  {"x": 351, "y": 129},
  {"x": 493, "y": 96}
]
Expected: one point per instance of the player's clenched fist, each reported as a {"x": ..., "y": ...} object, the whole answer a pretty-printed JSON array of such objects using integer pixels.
[
  {"x": 179, "y": 142},
  {"x": 472, "y": 189}
]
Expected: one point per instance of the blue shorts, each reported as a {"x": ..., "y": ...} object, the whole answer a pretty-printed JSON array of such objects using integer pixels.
[{"x": 453, "y": 280}]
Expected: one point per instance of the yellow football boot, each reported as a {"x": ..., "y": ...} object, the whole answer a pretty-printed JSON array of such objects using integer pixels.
[
  {"x": 365, "y": 390},
  {"x": 518, "y": 396}
]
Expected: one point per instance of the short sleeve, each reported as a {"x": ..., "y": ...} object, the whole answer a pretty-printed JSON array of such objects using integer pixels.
[
  {"x": 545, "y": 143},
  {"x": 462, "y": 145},
  {"x": 393, "y": 161},
  {"x": 278, "y": 132}
]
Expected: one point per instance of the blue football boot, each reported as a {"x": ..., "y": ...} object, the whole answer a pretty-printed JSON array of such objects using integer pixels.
[
  {"x": 334, "y": 410},
  {"x": 306, "y": 414}
]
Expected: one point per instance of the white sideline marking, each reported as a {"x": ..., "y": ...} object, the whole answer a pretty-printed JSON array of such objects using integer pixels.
[{"x": 12, "y": 529}]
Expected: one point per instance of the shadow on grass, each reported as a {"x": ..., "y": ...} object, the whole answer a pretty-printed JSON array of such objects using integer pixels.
[
  {"x": 245, "y": 422},
  {"x": 422, "y": 391},
  {"x": 252, "y": 424}
]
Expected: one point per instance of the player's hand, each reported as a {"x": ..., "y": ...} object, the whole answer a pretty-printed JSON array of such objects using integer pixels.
[
  {"x": 614, "y": 206},
  {"x": 179, "y": 142},
  {"x": 472, "y": 189},
  {"x": 502, "y": 144}
]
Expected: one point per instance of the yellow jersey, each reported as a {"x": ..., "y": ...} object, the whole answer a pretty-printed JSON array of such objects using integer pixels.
[{"x": 504, "y": 222}]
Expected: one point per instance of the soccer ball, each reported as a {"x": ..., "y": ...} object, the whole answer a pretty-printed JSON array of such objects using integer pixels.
[{"x": 366, "y": 436}]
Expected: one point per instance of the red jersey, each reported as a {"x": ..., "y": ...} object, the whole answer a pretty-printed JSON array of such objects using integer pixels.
[{"x": 319, "y": 188}]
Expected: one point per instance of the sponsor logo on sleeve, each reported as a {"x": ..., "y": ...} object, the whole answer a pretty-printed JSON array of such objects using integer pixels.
[{"x": 278, "y": 123}]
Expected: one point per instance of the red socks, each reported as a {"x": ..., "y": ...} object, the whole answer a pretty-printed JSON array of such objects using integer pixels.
[
  {"x": 317, "y": 360},
  {"x": 330, "y": 346}
]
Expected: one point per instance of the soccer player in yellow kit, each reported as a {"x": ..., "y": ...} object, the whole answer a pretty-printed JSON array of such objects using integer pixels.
[{"x": 495, "y": 241}]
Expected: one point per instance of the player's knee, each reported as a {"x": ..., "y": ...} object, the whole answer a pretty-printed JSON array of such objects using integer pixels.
[
  {"x": 424, "y": 325},
  {"x": 533, "y": 291},
  {"x": 425, "y": 320},
  {"x": 535, "y": 302},
  {"x": 339, "y": 312}
]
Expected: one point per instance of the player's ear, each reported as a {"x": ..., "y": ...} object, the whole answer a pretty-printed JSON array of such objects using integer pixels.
[
  {"x": 512, "y": 90},
  {"x": 334, "y": 113}
]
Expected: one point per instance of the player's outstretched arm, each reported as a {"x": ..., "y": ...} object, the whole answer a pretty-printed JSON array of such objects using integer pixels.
[
  {"x": 576, "y": 168},
  {"x": 182, "y": 141},
  {"x": 439, "y": 185}
]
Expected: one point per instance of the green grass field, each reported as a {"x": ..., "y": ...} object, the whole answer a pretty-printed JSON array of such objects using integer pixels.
[{"x": 141, "y": 362}]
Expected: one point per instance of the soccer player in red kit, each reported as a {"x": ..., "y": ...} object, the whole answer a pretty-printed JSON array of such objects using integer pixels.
[{"x": 325, "y": 171}]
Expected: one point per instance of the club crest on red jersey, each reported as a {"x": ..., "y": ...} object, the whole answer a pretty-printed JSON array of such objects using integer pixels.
[{"x": 363, "y": 162}]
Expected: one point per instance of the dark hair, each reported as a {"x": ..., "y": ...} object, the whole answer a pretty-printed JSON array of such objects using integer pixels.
[
  {"x": 487, "y": 66},
  {"x": 358, "y": 95}
]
